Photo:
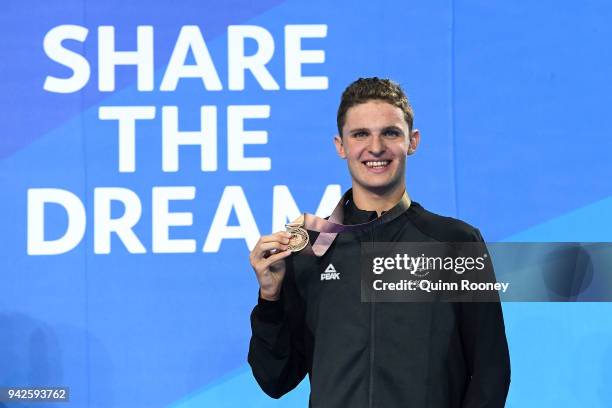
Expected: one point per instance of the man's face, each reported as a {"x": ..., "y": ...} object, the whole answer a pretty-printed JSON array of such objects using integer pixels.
[{"x": 375, "y": 141}]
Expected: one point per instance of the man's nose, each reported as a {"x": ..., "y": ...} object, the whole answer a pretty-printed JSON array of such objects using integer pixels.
[{"x": 377, "y": 145}]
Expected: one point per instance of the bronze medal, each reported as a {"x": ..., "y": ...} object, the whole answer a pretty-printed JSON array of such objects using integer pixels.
[{"x": 298, "y": 239}]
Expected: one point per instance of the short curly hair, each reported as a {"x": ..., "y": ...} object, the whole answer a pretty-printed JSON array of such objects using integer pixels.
[{"x": 367, "y": 89}]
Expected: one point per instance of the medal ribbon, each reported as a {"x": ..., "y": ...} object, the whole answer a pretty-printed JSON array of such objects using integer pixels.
[{"x": 330, "y": 228}]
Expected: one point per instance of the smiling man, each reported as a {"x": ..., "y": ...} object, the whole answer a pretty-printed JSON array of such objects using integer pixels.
[
  {"x": 310, "y": 318},
  {"x": 375, "y": 137}
]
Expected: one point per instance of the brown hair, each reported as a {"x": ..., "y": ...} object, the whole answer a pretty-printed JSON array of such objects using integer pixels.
[{"x": 366, "y": 89}]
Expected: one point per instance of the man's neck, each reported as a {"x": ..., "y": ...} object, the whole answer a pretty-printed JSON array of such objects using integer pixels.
[{"x": 379, "y": 201}]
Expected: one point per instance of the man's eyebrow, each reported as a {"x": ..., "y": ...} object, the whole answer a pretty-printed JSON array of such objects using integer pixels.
[
  {"x": 384, "y": 129},
  {"x": 393, "y": 127},
  {"x": 359, "y": 130}
]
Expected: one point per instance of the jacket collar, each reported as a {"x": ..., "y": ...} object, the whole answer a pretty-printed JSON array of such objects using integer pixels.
[{"x": 355, "y": 215}]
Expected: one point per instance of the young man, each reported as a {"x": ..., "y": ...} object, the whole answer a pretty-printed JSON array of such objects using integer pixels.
[{"x": 372, "y": 354}]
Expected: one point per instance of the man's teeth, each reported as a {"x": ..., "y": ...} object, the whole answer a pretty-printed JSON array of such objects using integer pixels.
[{"x": 377, "y": 164}]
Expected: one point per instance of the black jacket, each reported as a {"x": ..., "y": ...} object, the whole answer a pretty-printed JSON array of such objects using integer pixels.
[{"x": 417, "y": 355}]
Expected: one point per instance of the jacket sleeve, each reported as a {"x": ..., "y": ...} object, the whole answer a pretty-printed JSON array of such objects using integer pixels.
[
  {"x": 276, "y": 350},
  {"x": 486, "y": 351}
]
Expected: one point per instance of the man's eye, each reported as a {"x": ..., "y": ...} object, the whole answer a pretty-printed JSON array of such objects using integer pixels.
[
  {"x": 360, "y": 134},
  {"x": 392, "y": 133}
]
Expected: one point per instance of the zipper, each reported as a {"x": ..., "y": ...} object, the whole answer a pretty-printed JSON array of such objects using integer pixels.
[{"x": 372, "y": 335}]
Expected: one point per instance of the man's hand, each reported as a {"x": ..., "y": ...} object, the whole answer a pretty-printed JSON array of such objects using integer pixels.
[{"x": 268, "y": 261}]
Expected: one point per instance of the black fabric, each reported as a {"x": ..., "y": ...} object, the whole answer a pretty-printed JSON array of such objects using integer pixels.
[{"x": 375, "y": 354}]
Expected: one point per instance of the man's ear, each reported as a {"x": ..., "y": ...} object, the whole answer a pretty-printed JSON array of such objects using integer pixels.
[
  {"x": 339, "y": 146},
  {"x": 413, "y": 142}
]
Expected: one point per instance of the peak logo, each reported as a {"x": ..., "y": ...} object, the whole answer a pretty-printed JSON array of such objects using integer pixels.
[{"x": 330, "y": 273}]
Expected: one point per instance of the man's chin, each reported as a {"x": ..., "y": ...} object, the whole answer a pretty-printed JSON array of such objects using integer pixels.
[
  {"x": 379, "y": 184},
  {"x": 379, "y": 188}
]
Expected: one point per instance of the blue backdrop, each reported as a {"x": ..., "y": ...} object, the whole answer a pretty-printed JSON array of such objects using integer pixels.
[{"x": 511, "y": 99}]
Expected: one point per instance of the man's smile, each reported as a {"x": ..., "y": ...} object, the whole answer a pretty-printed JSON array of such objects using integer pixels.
[{"x": 377, "y": 166}]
